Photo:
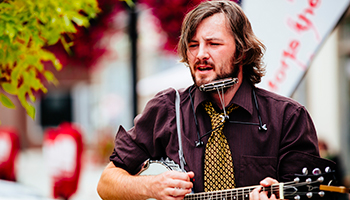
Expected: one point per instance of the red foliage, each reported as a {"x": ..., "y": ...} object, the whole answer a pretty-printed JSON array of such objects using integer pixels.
[
  {"x": 170, "y": 14},
  {"x": 87, "y": 49}
]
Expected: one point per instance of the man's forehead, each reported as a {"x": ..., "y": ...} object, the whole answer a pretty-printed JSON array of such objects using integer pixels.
[{"x": 214, "y": 27}]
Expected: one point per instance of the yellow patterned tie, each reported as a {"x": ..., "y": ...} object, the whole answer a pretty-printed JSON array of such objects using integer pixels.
[{"x": 218, "y": 164}]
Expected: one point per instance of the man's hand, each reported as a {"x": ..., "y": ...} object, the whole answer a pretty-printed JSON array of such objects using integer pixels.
[
  {"x": 172, "y": 185},
  {"x": 116, "y": 183},
  {"x": 256, "y": 194}
]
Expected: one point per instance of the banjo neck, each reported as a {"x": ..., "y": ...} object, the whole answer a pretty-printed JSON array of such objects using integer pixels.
[{"x": 237, "y": 193}]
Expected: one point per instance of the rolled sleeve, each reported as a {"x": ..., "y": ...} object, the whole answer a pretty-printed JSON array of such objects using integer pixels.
[{"x": 148, "y": 138}]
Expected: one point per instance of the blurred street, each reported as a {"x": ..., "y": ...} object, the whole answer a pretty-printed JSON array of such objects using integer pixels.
[
  {"x": 97, "y": 67},
  {"x": 32, "y": 172}
]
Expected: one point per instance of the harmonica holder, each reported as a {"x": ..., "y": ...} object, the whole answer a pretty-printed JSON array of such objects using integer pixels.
[{"x": 220, "y": 84}]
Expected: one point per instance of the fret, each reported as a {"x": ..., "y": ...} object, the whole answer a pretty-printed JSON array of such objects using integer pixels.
[
  {"x": 211, "y": 195},
  {"x": 250, "y": 189},
  {"x": 246, "y": 196},
  {"x": 215, "y": 195},
  {"x": 246, "y": 193},
  {"x": 281, "y": 191},
  {"x": 271, "y": 192},
  {"x": 232, "y": 195},
  {"x": 236, "y": 193}
]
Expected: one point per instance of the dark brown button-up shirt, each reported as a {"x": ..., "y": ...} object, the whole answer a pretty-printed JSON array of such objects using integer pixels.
[{"x": 290, "y": 135}]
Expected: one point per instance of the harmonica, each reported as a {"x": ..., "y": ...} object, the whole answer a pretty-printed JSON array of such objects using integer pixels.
[{"x": 219, "y": 84}]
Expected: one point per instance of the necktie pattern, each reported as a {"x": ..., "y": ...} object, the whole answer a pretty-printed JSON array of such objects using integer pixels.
[{"x": 218, "y": 164}]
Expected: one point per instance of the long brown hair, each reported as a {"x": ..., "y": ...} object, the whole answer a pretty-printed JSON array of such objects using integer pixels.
[{"x": 249, "y": 49}]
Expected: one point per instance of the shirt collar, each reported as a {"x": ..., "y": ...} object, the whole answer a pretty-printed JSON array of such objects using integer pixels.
[{"x": 242, "y": 98}]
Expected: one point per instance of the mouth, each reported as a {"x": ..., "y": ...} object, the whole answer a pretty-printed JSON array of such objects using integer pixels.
[{"x": 204, "y": 68}]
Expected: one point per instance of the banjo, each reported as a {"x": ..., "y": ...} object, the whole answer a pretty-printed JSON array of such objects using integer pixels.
[{"x": 304, "y": 186}]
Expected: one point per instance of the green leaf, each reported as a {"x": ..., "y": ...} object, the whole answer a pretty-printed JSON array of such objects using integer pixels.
[
  {"x": 10, "y": 31},
  {"x": 57, "y": 64},
  {"x": 32, "y": 60},
  {"x": 80, "y": 20},
  {"x": 5, "y": 6},
  {"x": 69, "y": 25},
  {"x": 22, "y": 91},
  {"x": 39, "y": 66},
  {"x": 9, "y": 88},
  {"x": 37, "y": 40},
  {"x": 53, "y": 39},
  {"x": 15, "y": 74},
  {"x": 31, "y": 96},
  {"x": 130, "y": 3},
  {"x": 2, "y": 28},
  {"x": 6, "y": 17},
  {"x": 6, "y": 101},
  {"x": 30, "y": 110},
  {"x": 50, "y": 77},
  {"x": 47, "y": 55},
  {"x": 66, "y": 46},
  {"x": 24, "y": 37}
]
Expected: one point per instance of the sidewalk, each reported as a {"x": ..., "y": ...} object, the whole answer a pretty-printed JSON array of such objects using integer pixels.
[{"x": 32, "y": 172}]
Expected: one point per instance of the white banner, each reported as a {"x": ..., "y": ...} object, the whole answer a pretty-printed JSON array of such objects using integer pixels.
[{"x": 293, "y": 31}]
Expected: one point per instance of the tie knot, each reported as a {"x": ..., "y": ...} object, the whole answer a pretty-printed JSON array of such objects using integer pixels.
[{"x": 208, "y": 106}]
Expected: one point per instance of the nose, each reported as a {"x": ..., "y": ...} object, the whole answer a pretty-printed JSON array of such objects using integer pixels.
[{"x": 203, "y": 53}]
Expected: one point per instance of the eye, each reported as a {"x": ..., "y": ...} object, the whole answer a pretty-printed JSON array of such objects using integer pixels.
[
  {"x": 192, "y": 45},
  {"x": 215, "y": 44}
]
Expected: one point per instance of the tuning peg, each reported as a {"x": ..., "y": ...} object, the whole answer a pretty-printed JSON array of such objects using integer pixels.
[
  {"x": 321, "y": 193},
  {"x": 297, "y": 197},
  {"x": 305, "y": 171},
  {"x": 309, "y": 195},
  {"x": 328, "y": 170},
  {"x": 320, "y": 179},
  {"x": 308, "y": 180},
  {"x": 316, "y": 171},
  {"x": 297, "y": 180}
]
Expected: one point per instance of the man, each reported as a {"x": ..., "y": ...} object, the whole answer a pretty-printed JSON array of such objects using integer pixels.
[{"x": 217, "y": 42}]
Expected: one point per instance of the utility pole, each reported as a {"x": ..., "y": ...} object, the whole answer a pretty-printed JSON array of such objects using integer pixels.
[{"x": 133, "y": 40}]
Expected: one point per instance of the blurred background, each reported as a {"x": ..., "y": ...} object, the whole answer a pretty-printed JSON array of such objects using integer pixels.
[{"x": 115, "y": 64}]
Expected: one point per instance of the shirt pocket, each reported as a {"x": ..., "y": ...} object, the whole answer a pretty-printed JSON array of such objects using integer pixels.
[{"x": 253, "y": 169}]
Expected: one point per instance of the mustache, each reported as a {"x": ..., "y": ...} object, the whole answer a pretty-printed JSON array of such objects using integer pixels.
[{"x": 204, "y": 62}]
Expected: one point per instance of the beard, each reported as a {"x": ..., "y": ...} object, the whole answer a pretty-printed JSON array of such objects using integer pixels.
[{"x": 222, "y": 74}]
